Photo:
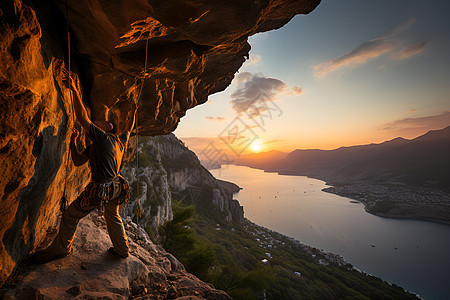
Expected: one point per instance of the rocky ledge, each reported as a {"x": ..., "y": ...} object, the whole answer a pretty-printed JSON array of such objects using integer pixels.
[{"x": 90, "y": 272}]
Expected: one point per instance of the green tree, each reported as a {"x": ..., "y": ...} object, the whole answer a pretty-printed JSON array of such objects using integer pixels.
[
  {"x": 226, "y": 277},
  {"x": 254, "y": 284},
  {"x": 200, "y": 260},
  {"x": 176, "y": 236}
]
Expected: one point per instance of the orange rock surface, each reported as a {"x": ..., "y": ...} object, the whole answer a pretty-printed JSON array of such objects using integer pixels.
[{"x": 194, "y": 50}]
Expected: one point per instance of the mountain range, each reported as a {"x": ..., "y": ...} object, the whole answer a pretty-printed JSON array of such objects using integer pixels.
[{"x": 423, "y": 161}]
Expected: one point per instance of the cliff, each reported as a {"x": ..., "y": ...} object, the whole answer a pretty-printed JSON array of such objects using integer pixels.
[
  {"x": 168, "y": 167},
  {"x": 194, "y": 50},
  {"x": 251, "y": 261},
  {"x": 154, "y": 191}
]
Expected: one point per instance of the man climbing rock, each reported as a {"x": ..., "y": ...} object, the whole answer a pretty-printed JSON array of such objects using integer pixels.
[{"x": 107, "y": 189}]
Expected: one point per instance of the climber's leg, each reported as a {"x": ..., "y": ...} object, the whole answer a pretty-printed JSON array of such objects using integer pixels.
[
  {"x": 116, "y": 230},
  {"x": 62, "y": 244}
]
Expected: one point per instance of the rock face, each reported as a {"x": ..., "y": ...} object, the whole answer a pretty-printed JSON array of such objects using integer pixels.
[
  {"x": 154, "y": 195},
  {"x": 34, "y": 121},
  {"x": 187, "y": 176},
  {"x": 90, "y": 272},
  {"x": 166, "y": 166},
  {"x": 194, "y": 49}
]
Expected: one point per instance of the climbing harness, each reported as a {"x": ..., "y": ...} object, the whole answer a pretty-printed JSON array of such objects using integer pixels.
[{"x": 98, "y": 194}]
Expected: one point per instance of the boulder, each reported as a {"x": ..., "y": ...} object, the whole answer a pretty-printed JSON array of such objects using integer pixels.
[{"x": 91, "y": 272}]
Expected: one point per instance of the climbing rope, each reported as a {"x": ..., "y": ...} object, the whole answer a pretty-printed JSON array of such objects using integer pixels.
[
  {"x": 138, "y": 206},
  {"x": 87, "y": 57},
  {"x": 64, "y": 202},
  {"x": 68, "y": 35}
]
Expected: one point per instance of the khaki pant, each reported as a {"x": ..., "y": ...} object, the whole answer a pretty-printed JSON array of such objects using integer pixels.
[{"x": 62, "y": 243}]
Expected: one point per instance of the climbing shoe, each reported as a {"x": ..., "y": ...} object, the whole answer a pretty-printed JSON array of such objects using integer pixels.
[{"x": 114, "y": 252}]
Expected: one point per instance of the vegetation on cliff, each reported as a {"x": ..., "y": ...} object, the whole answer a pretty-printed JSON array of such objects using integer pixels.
[
  {"x": 246, "y": 260},
  {"x": 252, "y": 262}
]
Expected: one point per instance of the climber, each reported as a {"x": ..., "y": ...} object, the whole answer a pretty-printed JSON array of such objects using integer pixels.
[{"x": 107, "y": 189}]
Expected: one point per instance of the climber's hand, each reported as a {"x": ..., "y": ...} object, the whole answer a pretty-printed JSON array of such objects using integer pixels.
[
  {"x": 74, "y": 134},
  {"x": 69, "y": 79}
]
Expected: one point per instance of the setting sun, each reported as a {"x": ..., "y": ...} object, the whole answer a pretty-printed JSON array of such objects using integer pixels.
[{"x": 257, "y": 146}]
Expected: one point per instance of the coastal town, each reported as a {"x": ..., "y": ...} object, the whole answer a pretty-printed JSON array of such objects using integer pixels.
[
  {"x": 398, "y": 200},
  {"x": 269, "y": 239}
]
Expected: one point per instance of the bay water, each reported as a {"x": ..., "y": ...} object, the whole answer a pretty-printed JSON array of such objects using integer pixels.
[{"x": 410, "y": 253}]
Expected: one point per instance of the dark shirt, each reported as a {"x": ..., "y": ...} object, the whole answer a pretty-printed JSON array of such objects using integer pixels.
[{"x": 105, "y": 153}]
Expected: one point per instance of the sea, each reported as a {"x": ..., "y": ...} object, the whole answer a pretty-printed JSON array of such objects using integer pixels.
[{"x": 413, "y": 254}]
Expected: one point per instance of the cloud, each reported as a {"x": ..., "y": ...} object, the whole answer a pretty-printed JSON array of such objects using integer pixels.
[
  {"x": 252, "y": 126},
  {"x": 273, "y": 141},
  {"x": 408, "y": 51},
  {"x": 199, "y": 142},
  {"x": 208, "y": 148},
  {"x": 242, "y": 77},
  {"x": 253, "y": 94},
  {"x": 214, "y": 118},
  {"x": 399, "y": 28},
  {"x": 428, "y": 122},
  {"x": 297, "y": 90},
  {"x": 358, "y": 56},
  {"x": 255, "y": 60},
  {"x": 368, "y": 50}
]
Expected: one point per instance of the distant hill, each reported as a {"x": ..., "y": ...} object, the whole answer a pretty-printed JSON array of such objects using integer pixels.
[
  {"x": 270, "y": 160},
  {"x": 424, "y": 160}
]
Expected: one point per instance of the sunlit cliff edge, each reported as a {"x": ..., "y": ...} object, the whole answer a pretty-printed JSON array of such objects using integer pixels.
[{"x": 194, "y": 50}]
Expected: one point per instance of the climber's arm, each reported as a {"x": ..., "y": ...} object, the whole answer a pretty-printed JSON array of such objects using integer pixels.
[
  {"x": 80, "y": 110},
  {"x": 78, "y": 159},
  {"x": 130, "y": 123}
]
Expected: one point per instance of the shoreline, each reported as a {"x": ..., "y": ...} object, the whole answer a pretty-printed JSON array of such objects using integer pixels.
[
  {"x": 358, "y": 267},
  {"x": 337, "y": 259},
  {"x": 378, "y": 205},
  {"x": 387, "y": 199},
  {"x": 320, "y": 256}
]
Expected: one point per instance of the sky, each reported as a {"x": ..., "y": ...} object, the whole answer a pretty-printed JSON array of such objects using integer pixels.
[{"x": 351, "y": 72}]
